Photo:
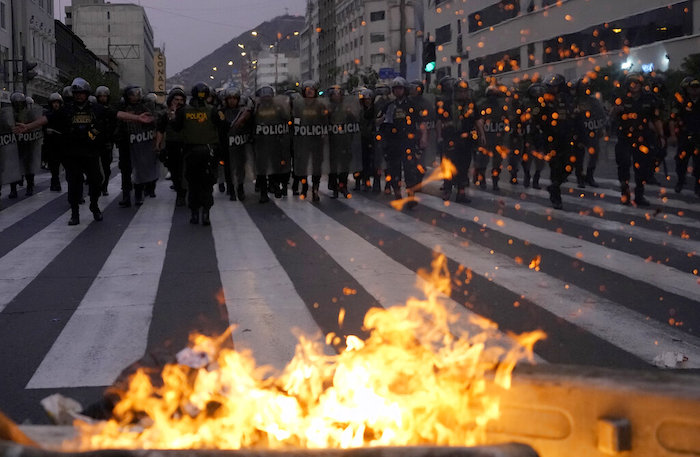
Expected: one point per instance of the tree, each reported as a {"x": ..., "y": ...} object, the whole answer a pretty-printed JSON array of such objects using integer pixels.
[{"x": 691, "y": 65}]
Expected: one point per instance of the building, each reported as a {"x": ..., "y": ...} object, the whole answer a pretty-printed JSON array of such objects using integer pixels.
[
  {"x": 33, "y": 39},
  {"x": 74, "y": 59},
  {"x": 524, "y": 38},
  {"x": 6, "y": 50},
  {"x": 363, "y": 35},
  {"x": 119, "y": 32},
  {"x": 275, "y": 69}
]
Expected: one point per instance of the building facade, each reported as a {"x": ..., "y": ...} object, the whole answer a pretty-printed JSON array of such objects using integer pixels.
[
  {"x": 276, "y": 69},
  {"x": 308, "y": 43},
  {"x": 119, "y": 32},
  {"x": 515, "y": 39}
]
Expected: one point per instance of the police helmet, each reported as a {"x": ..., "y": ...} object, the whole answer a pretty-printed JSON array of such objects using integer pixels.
[
  {"x": 131, "y": 91},
  {"x": 633, "y": 78},
  {"x": 399, "y": 82},
  {"x": 67, "y": 92},
  {"x": 102, "y": 90},
  {"x": 536, "y": 90},
  {"x": 334, "y": 90},
  {"x": 417, "y": 86},
  {"x": 201, "y": 91},
  {"x": 151, "y": 97},
  {"x": 231, "y": 92},
  {"x": 492, "y": 91},
  {"x": 461, "y": 84},
  {"x": 175, "y": 92},
  {"x": 555, "y": 82},
  {"x": 685, "y": 82},
  {"x": 265, "y": 91},
  {"x": 80, "y": 85},
  {"x": 92, "y": 99},
  {"x": 55, "y": 97},
  {"x": 583, "y": 84},
  {"x": 694, "y": 82},
  {"x": 366, "y": 94},
  {"x": 309, "y": 84},
  {"x": 382, "y": 89},
  {"x": 446, "y": 84},
  {"x": 18, "y": 98}
]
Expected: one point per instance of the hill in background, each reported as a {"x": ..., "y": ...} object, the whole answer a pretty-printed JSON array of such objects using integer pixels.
[{"x": 279, "y": 30}]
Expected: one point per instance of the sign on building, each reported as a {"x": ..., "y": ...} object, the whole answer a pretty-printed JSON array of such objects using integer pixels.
[{"x": 159, "y": 83}]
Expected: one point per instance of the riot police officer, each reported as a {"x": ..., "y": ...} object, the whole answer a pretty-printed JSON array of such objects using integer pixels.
[
  {"x": 102, "y": 94},
  {"x": 403, "y": 134},
  {"x": 459, "y": 127},
  {"x": 199, "y": 123},
  {"x": 639, "y": 131},
  {"x": 594, "y": 121},
  {"x": 498, "y": 128},
  {"x": 82, "y": 122},
  {"x": 237, "y": 136},
  {"x": 370, "y": 176},
  {"x": 28, "y": 145},
  {"x": 53, "y": 144},
  {"x": 562, "y": 128},
  {"x": 534, "y": 146},
  {"x": 343, "y": 138},
  {"x": 173, "y": 154},
  {"x": 383, "y": 96},
  {"x": 685, "y": 132},
  {"x": 310, "y": 117}
]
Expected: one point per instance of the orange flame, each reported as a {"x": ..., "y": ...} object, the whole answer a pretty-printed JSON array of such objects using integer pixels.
[{"x": 415, "y": 380}]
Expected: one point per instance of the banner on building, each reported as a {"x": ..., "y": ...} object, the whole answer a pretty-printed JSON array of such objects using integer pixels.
[{"x": 159, "y": 83}]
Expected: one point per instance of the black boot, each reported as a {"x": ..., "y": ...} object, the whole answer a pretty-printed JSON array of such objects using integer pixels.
[
  {"x": 358, "y": 181},
  {"x": 104, "y": 189},
  {"x": 462, "y": 196},
  {"x": 526, "y": 179},
  {"x": 377, "y": 184},
  {"x": 304, "y": 188},
  {"x": 295, "y": 185},
  {"x": 625, "y": 196},
  {"x": 240, "y": 190},
  {"x": 194, "y": 216},
  {"x": 138, "y": 195},
  {"x": 314, "y": 192},
  {"x": 262, "y": 182},
  {"x": 639, "y": 199},
  {"x": 536, "y": 181},
  {"x": 590, "y": 180},
  {"x": 74, "y": 216},
  {"x": 30, "y": 185},
  {"x": 494, "y": 183},
  {"x": 13, "y": 190},
  {"x": 332, "y": 181},
  {"x": 446, "y": 191},
  {"x": 96, "y": 213},
  {"x": 514, "y": 178},
  {"x": 55, "y": 185},
  {"x": 555, "y": 196},
  {"x": 180, "y": 199},
  {"x": 205, "y": 217},
  {"x": 125, "y": 202},
  {"x": 580, "y": 181}
]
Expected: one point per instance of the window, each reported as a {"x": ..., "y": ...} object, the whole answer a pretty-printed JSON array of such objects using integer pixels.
[
  {"x": 495, "y": 63},
  {"x": 443, "y": 34},
  {"x": 376, "y": 37},
  {"x": 501, "y": 11},
  {"x": 375, "y": 16},
  {"x": 3, "y": 15},
  {"x": 378, "y": 59}
]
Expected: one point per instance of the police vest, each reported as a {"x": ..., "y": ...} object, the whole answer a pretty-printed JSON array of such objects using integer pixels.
[{"x": 198, "y": 127}]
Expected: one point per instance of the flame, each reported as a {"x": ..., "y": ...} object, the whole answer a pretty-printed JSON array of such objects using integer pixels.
[{"x": 415, "y": 380}]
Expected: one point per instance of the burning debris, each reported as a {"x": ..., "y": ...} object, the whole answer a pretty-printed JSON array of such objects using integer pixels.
[{"x": 413, "y": 382}]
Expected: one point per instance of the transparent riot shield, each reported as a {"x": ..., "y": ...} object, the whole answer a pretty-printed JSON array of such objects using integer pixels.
[
  {"x": 29, "y": 144},
  {"x": 344, "y": 136},
  {"x": 310, "y": 128},
  {"x": 272, "y": 135},
  {"x": 425, "y": 105},
  {"x": 144, "y": 157},
  {"x": 9, "y": 155}
]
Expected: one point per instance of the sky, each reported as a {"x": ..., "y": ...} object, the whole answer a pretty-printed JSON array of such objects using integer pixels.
[{"x": 191, "y": 29}]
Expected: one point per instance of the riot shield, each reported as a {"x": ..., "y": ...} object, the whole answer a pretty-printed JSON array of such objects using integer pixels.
[
  {"x": 426, "y": 106},
  {"x": 29, "y": 144},
  {"x": 272, "y": 135},
  {"x": 9, "y": 155},
  {"x": 309, "y": 135},
  {"x": 144, "y": 158},
  {"x": 344, "y": 136}
]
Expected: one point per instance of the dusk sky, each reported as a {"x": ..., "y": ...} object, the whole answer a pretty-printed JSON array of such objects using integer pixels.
[{"x": 191, "y": 29}]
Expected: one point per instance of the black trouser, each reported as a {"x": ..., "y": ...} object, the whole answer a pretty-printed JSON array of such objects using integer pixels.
[
  {"x": 106, "y": 162},
  {"x": 78, "y": 166},
  {"x": 401, "y": 155},
  {"x": 200, "y": 172},
  {"x": 460, "y": 155},
  {"x": 629, "y": 154},
  {"x": 560, "y": 166},
  {"x": 237, "y": 160},
  {"x": 53, "y": 160},
  {"x": 176, "y": 164},
  {"x": 368, "y": 168},
  {"x": 125, "y": 167},
  {"x": 687, "y": 149}
]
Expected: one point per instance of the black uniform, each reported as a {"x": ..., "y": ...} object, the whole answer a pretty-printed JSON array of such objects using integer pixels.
[
  {"x": 235, "y": 139},
  {"x": 457, "y": 121},
  {"x": 534, "y": 144},
  {"x": 53, "y": 147},
  {"x": 498, "y": 127},
  {"x": 368, "y": 134},
  {"x": 594, "y": 121},
  {"x": 685, "y": 113},
  {"x": 82, "y": 126}
]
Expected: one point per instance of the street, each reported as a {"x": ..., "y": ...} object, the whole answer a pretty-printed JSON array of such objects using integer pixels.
[{"x": 611, "y": 285}]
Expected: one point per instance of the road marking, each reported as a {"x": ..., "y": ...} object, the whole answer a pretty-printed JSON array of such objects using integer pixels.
[
  {"x": 23, "y": 264},
  {"x": 260, "y": 297},
  {"x": 109, "y": 329},
  {"x": 26, "y": 207},
  {"x": 614, "y": 323}
]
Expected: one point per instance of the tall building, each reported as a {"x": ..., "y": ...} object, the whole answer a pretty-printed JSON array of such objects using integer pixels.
[
  {"x": 33, "y": 39},
  {"x": 518, "y": 38},
  {"x": 275, "y": 69},
  {"x": 308, "y": 43},
  {"x": 355, "y": 35},
  {"x": 6, "y": 50},
  {"x": 119, "y": 32}
]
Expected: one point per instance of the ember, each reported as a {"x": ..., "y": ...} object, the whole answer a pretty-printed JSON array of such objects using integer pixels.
[{"x": 414, "y": 381}]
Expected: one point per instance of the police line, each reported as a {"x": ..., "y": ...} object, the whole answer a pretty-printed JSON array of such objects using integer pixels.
[{"x": 320, "y": 129}]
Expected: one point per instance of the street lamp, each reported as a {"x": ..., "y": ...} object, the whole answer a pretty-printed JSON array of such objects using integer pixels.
[{"x": 230, "y": 63}]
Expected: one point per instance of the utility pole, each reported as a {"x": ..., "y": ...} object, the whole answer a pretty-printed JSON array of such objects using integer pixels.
[{"x": 402, "y": 39}]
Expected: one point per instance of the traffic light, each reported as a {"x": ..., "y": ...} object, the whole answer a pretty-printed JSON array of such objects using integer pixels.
[
  {"x": 429, "y": 56},
  {"x": 28, "y": 72}
]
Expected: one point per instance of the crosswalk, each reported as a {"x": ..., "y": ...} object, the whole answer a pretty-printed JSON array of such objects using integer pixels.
[{"x": 611, "y": 285}]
